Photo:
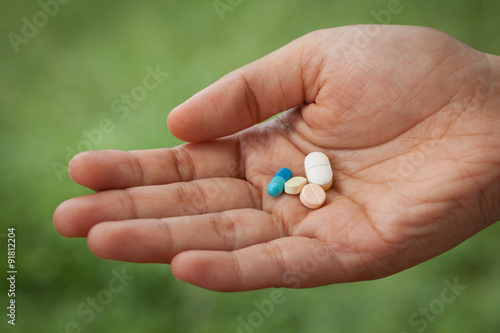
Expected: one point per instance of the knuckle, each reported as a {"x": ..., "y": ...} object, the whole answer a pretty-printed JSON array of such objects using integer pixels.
[
  {"x": 277, "y": 257},
  {"x": 250, "y": 99},
  {"x": 136, "y": 167},
  {"x": 184, "y": 164},
  {"x": 166, "y": 235},
  {"x": 127, "y": 201},
  {"x": 192, "y": 199},
  {"x": 225, "y": 229}
]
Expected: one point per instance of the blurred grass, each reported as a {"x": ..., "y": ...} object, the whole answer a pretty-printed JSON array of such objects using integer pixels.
[{"x": 63, "y": 82}]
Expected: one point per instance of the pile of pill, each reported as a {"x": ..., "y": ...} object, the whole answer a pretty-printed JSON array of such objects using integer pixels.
[{"x": 319, "y": 178}]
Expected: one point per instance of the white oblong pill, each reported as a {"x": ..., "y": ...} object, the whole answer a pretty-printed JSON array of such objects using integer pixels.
[
  {"x": 318, "y": 170},
  {"x": 295, "y": 185}
]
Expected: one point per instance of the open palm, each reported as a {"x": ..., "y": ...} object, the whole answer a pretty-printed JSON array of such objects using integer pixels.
[{"x": 407, "y": 118}]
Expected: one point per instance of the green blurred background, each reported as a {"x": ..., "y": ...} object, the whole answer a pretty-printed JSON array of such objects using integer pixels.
[{"x": 62, "y": 82}]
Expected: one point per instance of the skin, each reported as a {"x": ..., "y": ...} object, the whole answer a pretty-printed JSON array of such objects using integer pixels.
[{"x": 409, "y": 118}]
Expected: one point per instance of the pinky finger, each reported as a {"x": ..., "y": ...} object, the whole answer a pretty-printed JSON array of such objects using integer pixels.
[{"x": 294, "y": 262}]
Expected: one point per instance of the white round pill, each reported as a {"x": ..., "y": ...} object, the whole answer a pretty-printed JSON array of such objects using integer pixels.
[{"x": 295, "y": 185}]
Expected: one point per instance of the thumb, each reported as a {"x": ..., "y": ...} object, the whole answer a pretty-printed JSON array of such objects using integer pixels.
[{"x": 247, "y": 95}]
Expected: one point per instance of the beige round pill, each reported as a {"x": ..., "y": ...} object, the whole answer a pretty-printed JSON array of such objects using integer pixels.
[
  {"x": 295, "y": 185},
  {"x": 312, "y": 196}
]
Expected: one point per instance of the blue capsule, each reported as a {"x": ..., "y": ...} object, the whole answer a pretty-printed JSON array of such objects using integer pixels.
[{"x": 277, "y": 184}]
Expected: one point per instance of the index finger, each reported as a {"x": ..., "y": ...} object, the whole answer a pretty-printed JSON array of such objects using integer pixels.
[{"x": 114, "y": 169}]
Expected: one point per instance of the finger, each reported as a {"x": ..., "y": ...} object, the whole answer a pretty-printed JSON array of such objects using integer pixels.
[
  {"x": 249, "y": 95},
  {"x": 110, "y": 169},
  {"x": 75, "y": 217},
  {"x": 158, "y": 241},
  {"x": 295, "y": 262}
]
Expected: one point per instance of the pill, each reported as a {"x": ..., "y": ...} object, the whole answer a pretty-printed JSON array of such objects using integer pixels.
[
  {"x": 318, "y": 170},
  {"x": 295, "y": 185},
  {"x": 277, "y": 184},
  {"x": 312, "y": 196}
]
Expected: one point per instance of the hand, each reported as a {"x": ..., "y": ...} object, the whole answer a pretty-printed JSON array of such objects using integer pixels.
[{"x": 409, "y": 118}]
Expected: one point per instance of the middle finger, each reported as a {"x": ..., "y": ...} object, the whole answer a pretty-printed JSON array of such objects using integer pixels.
[{"x": 75, "y": 217}]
